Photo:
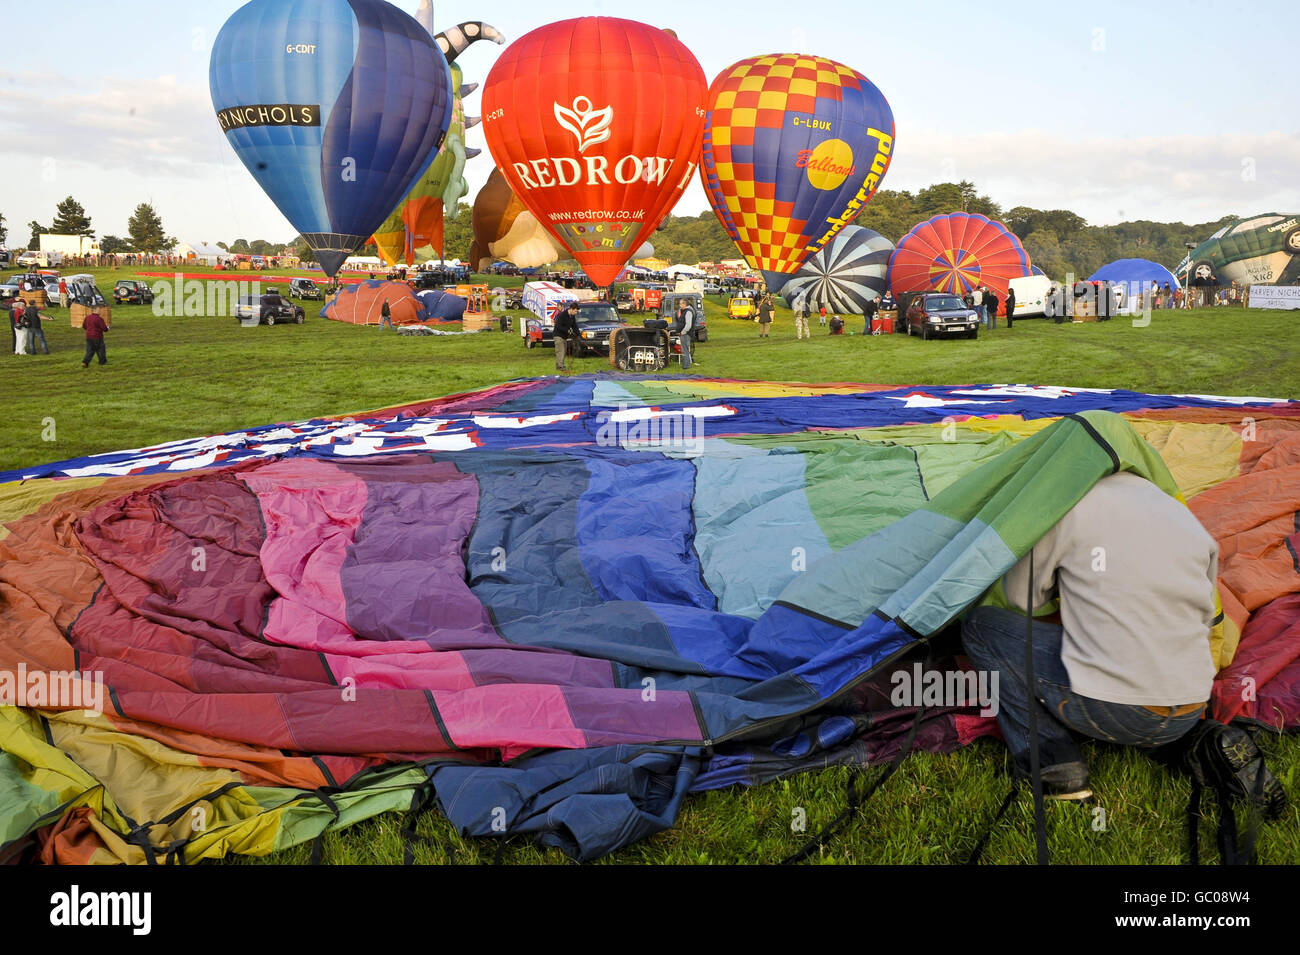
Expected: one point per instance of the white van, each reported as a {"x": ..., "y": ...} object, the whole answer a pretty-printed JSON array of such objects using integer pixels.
[{"x": 1031, "y": 295}]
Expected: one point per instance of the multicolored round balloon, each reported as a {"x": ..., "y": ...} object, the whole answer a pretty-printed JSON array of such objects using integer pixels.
[
  {"x": 336, "y": 107},
  {"x": 794, "y": 147},
  {"x": 955, "y": 253}
]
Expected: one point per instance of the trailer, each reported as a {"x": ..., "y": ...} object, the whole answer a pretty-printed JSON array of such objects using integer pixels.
[{"x": 543, "y": 299}]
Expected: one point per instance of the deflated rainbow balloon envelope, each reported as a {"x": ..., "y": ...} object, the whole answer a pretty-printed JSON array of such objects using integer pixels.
[
  {"x": 794, "y": 148},
  {"x": 336, "y": 107}
]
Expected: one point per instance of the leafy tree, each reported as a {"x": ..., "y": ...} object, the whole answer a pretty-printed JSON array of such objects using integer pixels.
[
  {"x": 298, "y": 247},
  {"x": 111, "y": 243},
  {"x": 239, "y": 247},
  {"x": 3, "y": 231},
  {"x": 35, "y": 241},
  {"x": 71, "y": 219},
  {"x": 261, "y": 247},
  {"x": 1045, "y": 252},
  {"x": 146, "y": 230},
  {"x": 458, "y": 233}
]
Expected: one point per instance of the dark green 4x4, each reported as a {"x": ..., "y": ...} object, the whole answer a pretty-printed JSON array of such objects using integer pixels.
[{"x": 131, "y": 292}]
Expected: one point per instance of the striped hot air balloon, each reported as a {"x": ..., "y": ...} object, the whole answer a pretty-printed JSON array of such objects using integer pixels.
[
  {"x": 845, "y": 275},
  {"x": 955, "y": 253}
]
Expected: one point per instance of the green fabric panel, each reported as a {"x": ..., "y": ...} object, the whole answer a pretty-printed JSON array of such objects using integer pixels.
[
  {"x": 857, "y": 488},
  {"x": 389, "y": 789},
  {"x": 943, "y": 463},
  {"x": 22, "y": 802}
]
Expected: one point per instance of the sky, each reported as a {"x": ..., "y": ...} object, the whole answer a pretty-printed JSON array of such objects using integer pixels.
[{"x": 1172, "y": 110}]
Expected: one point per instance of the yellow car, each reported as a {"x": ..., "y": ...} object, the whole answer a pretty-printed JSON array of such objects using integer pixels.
[{"x": 743, "y": 308}]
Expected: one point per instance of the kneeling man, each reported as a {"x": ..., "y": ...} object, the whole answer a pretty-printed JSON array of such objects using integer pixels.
[{"x": 1135, "y": 574}]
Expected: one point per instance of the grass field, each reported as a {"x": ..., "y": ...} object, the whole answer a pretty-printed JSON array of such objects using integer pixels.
[{"x": 170, "y": 378}]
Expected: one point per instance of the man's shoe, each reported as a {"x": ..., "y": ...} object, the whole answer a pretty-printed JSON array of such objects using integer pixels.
[{"x": 1064, "y": 781}]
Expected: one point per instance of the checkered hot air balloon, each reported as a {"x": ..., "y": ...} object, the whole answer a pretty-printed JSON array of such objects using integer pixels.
[
  {"x": 794, "y": 148},
  {"x": 844, "y": 275},
  {"x": 956, "y": 252}
]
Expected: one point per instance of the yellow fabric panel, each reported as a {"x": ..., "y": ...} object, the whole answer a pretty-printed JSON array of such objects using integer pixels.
[
  {"x": 772, "y": 99},
  {"x": 803, "y": 87},
  {"x": 1199, "y": 456},
  {"x": 721, "y": 135},
  {"x": 20, "y": 498},
  {"x": 21, "y": 735},
  {"x": 726, "y": 100},
  {"x": 149, "y": 781},
  {"x": 124, "y": 762}
]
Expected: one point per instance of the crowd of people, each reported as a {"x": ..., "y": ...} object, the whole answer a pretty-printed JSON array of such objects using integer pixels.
[{"x": 1202, "y": 293}]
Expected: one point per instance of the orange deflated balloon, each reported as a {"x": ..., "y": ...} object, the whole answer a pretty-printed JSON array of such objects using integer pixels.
[{"x": 596, "y": 123}]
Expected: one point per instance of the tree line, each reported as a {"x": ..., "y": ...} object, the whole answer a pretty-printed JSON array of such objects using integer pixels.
[
  {"x": 144, "y": 229},
  {"x": 1057, "y": 240}
]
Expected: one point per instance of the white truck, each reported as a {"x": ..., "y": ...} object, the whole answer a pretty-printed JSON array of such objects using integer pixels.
[{"x": 1031, "y": 295}]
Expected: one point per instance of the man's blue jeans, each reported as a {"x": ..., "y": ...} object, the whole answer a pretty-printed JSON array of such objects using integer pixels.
[{"x": 995, "y": 640}]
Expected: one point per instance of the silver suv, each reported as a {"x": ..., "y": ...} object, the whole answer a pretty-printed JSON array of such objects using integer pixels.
[{"x": 304, "y": 289}]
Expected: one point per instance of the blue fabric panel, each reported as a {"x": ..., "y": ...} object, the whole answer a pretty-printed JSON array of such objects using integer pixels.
[{"x": 754, "y": 525}]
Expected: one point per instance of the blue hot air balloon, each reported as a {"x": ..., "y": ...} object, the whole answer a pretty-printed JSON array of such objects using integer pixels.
[{"x": 335, "y": 107}]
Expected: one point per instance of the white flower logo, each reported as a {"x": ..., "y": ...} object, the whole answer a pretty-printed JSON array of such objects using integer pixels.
[{"x": 589, "y": 126}]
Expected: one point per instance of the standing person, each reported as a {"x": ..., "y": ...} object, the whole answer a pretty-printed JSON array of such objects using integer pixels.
[
  {"x": 385, "y": 315},
  {"x": 94, "y": 327},
  {"x": 821, "y": 312},
  {"x": 991, "y": 303},
  {"x": 35, "y": 332},
  {"x": 684, "y": 325},
  {"x": 868, "y": 313},
  {"x": 15, "y": 309},
  {"x": 1011, "y": 304},
  {"x": 977, "y": 303},
  {"x": 801, "y": 317},
  {"x": 63, "y": 293},
  {"x": 18, "y": 325},
  {"x": 566, "y": 327},
  {"x": 765, "y": 317}
]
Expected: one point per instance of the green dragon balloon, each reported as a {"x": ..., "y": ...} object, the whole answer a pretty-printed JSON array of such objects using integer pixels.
[{"x": 415, "y": 227}]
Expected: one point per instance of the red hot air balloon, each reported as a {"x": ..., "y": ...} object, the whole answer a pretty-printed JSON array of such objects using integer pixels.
[
  {"x": 956, "y": 252},
  {"x": 596, "y": 124}
]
